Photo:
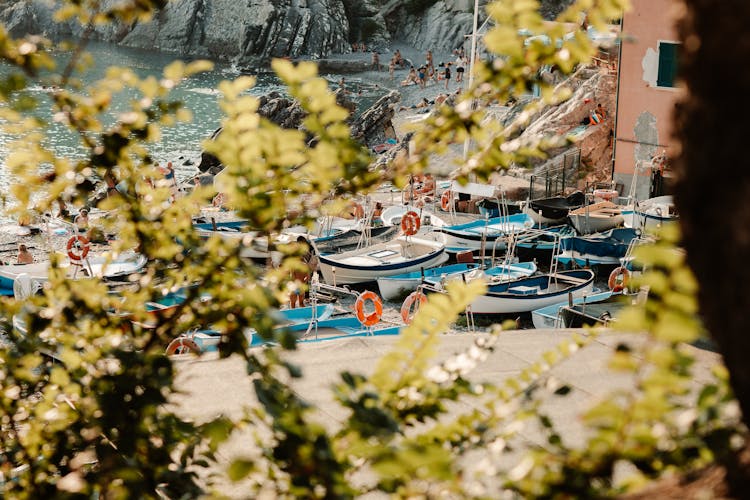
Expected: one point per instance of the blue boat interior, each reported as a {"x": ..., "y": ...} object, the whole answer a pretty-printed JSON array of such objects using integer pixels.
[{"x": 534, "y": 285}]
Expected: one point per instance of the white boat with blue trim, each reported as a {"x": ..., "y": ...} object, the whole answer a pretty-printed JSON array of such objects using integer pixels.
[
  {"x": 401, "y": 255},
  {"x": 469, "y": 236},
  {"x": 527, "y": 294}
]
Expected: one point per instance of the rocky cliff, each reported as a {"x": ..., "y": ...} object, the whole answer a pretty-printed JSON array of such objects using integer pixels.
[{"x": 252, "y": 31}]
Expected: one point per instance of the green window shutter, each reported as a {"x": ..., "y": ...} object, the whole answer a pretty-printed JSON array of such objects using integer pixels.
[{"x": 668, "y": 57}]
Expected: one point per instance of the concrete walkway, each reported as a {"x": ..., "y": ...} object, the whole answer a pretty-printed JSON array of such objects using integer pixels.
[{"x": 213, "y": 387}]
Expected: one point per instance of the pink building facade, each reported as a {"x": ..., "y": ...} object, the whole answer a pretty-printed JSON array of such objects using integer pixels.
[{"x": 646, "y": 91}]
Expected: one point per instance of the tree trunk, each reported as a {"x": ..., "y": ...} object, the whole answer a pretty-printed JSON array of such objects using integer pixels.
[{"x": 713, "y": 186}]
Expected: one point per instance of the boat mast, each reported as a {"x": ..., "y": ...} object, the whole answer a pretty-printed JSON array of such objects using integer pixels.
[{"x": 471, "y": 65}]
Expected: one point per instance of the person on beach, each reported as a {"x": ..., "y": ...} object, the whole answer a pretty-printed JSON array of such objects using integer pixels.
[
  {"x": 63, "y": 212},
  {"x": 362, "y": 47},
  {"x": 169, "y": 179},
  {"x": 430, "y": 63},
  {"x": 342, "y": 84},
  {"x": 459, "y": 69},
  {"x": 410, "y": 78},
  {"x": 302, "y": 277},
  {"x": 440, "y": 99},
  {"x": 447, "y": 75},
  {"x": 601, "y": 111},
  {"x": 375, "y": 61},
  {"x": 422, "y": 73},
  {"x": 24, "y": 256},
  {"x": 424, "y": 103},
  {"x": 392, "y": 67},
  {"x": 377, "y": 215},
  {"x": 428, "y": 187},
  {"x": 82, "y": 221},
  {"x": 399, "y": 59}
]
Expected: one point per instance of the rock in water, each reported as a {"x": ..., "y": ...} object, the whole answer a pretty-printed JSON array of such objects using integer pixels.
[{"x": 370, "y": 128}]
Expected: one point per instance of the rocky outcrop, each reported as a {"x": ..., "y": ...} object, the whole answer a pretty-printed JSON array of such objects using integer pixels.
[
  {"x": 591, "y": 86},
  {"x": 375, "y": 125},
  {"x": 251, "y": 32},
  {"x": 370, "y": 128}
]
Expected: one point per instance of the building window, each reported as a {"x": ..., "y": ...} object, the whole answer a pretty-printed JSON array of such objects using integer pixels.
[{"x": 668, "y": 61}]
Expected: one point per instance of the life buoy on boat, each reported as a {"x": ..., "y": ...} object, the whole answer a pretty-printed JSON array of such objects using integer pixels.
[
  {"x": 618, "y": 279},
  {"x": 182, "y": 345},
  {"x": 78, "y": 248},
  {"x": 411, "y": 305},
  {"x": 410, "y": 223},
  {"x": 359, "y": 306},
  {"x": 445, "y": 200}
]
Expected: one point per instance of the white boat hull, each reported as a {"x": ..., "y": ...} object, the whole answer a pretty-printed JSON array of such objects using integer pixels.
[
  {"x": 391, "y": 289},
  {"x": 595, "y": 223},
  {"x": 654, "y": 212},
  {"x": 528, "y": 299},
  {"x": 398, "y": 256},
  {"x": 98, "y": 265}
]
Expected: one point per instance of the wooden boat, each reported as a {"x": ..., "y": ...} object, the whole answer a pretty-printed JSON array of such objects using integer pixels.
[
  {"x": 332, "y": 239},
  {"x": 601, "y": 249},
  {"x": 393, "y": 287},
  {"x": 496, "y": 274},
  {"x": 469, "y": 236},
  {"x": 401, "y": 255},
  {"x": 349, "y": 239},
  {"x": 596, "y": 217},
  {"x": 493, "y": 208},
  {"x": 338, "y": 328},
  {"x": 527, "y": 294},
  {"x": 392, "y": 216},
  {"x": 98, "y": 266},
  {"x": 553, "y": 210},
  {"x": 203, "y": 341},
  {"x": 547, "y": 317},
  {"x": 598, "y": 313},
  {"x": 540, "y": 244},
  {"x": 254, "y": 243}
]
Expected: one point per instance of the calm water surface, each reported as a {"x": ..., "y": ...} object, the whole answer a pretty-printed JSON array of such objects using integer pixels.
[{"x": 179, "y": 144}]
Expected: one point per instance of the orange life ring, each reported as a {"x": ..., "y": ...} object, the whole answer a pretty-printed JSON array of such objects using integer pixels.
[
  {"x": 445, "y": 200},
  {"x": 614, "y": 282},
  {"x": 359, "y": 306},
  {"x": 410, "y": 223},
  {"x": 78, "y": 248},
  {"x": 411, "y": 305},
  {"x": 182, "y": 345}
]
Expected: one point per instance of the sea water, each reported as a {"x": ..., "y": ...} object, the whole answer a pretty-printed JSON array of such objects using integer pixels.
[{"x": 180, "y": 144}]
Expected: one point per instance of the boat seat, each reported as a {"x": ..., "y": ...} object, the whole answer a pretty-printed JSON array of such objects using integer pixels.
[
  {"x": 524, "y": 290},
  {"x": 569, "y": 279}
]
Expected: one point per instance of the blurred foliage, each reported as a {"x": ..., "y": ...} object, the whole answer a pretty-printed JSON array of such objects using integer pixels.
[{"x": 98, "y": 422}]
